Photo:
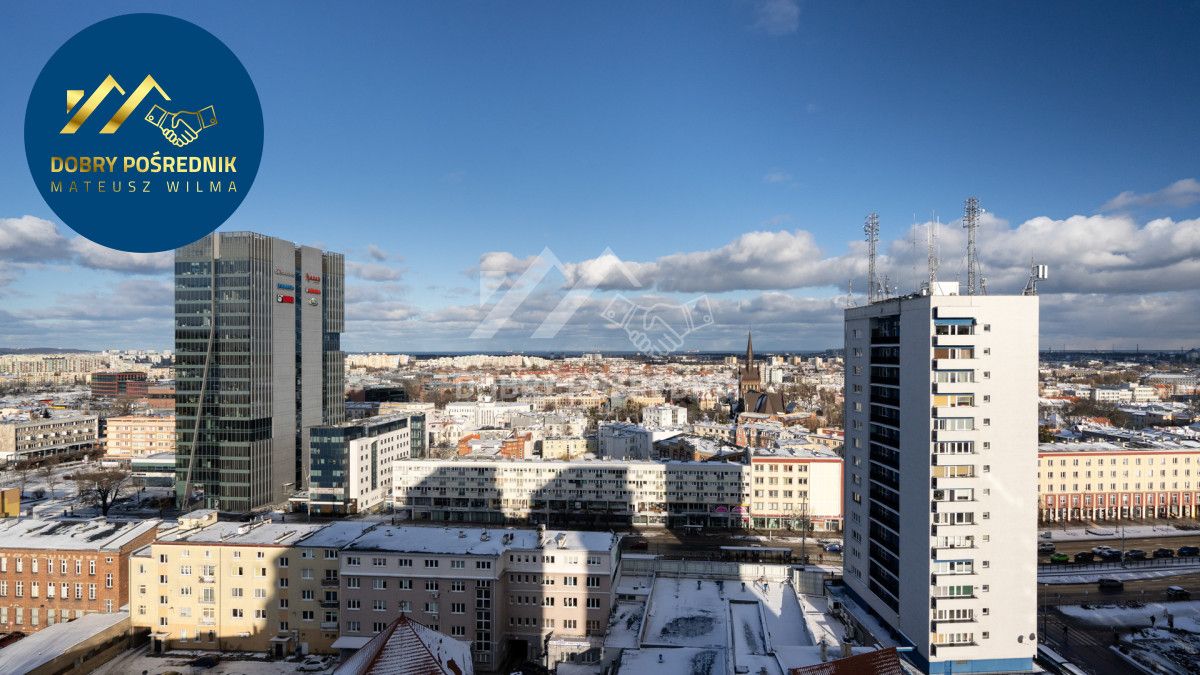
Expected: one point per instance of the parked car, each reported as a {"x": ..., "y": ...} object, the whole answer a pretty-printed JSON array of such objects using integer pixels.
[
  {"x": 313, "y": 664},
  {"x": 1046, "y": 547},
  {"x": 833, "y": 548},
  {"x": 1163, "y": 553},
  {"x": 1085, "y": 557},
  {"x": 1135, "y": 554},
  {"x": 1060, "y": 558},
  {"x": 1099, "y": 550},
  {"x": 1110, "y": 556},
  {"x": 1178, "y": 593},
  {"x": 1111, "y": 585},
  {"x": 1189, "y": 550}
]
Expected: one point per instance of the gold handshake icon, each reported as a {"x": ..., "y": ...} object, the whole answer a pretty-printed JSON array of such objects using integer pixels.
[{"x": 183, "y": 127}]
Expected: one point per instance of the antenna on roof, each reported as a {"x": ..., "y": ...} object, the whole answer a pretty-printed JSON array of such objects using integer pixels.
[
  {"x": 871, "y": 229},
  {"x": 933, "y": 253},
  {"x": 975, "y": 285},
  {"x": 1036, "y": 273}
]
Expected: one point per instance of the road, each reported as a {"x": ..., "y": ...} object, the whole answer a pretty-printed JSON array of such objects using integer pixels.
[
  {"x": 674, "y": 544},
  {"x": 1147, "y": 544}
]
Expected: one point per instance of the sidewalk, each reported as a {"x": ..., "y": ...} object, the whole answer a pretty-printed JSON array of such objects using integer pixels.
[{"x": 1083, "y": 532}]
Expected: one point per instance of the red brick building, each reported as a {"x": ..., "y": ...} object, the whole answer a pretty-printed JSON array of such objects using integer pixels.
[
  {"x": 115, "y": 384},
  {"x": 58, "y": 570}
]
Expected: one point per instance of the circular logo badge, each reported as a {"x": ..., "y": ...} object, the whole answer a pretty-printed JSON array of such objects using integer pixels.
[{"x": 143, "y": 132}]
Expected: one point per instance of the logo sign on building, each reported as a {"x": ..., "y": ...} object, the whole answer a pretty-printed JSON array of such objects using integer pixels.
[{"x": 143, "y": 132}]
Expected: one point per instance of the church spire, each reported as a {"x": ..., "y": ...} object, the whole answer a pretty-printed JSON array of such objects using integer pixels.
[{"x": 749, "y": 350}]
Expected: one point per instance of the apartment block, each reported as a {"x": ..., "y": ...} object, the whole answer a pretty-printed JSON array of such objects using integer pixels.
[
  {"x": 53, "y": 571},
  {"x": 522, "y": 594},
  {"x": 37, "y": 436},
  {"x": 230, "y": 586},
  {"x": 940, "y": 503},
  {"x": 1113, "y": 481},
  {"x": 703, "y": 494},
  {"x": 791, "y": 486},
  {"x": 139, "y": 435}
]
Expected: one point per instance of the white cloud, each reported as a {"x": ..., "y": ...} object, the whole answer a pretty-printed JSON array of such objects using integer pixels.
[
  {"x": 777, "y": 176},
  {"x": 1179, "y": 194},
  {"x": 90, "y": 254},
  {"x": 777, "y": 17},
  {"x": 376, "y": 253},
  {"x": 373, "y": 271},
  {"x": 30, "y": 239}
]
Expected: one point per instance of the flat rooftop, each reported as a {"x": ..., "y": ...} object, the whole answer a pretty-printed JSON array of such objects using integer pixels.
[
  {"x": 475, "y": 540},
  {"x": 243, "y": 534},
  {"x": 71, "y": 535}
]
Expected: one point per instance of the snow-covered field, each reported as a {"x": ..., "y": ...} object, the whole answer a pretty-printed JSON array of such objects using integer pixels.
[{"x": 1163, "y": 650}]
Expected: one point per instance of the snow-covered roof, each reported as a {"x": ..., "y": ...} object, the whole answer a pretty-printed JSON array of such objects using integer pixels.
[
  {"x": 243, "y": 534},
  {"x": 96, "y": 534},
  {"x": 337, "y": 534},
  {"x": 35, "y": 651},
  {"x": 475, "y": 540},
  {"x": 407, "y": 647}
]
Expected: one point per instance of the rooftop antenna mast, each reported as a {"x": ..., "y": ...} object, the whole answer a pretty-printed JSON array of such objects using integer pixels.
[
  {"x": 933, "y": 253},
  {"x": 871, "y": 228},
  {"x": 971, "y": 223}
]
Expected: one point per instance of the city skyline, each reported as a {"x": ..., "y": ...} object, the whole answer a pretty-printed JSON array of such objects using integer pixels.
[{"x": 729, "y": 151}]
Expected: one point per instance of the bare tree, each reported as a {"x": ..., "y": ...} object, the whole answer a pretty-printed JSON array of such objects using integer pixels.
[
  {"x": 48, "y": 473},
  {"x": 101, "y": 487},
  {"x": 23, "y": 471}
]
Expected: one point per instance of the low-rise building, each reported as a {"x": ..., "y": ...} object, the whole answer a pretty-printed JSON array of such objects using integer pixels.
[
  {"x": 625, "y": 440},
  {"x": 38, "y": 436},
  {"x": 1105, "y": 480},
  {"x": 791, "y": 485},
  {"x": 664, "y": 415},
  {"x": 58, "y": 570},
  {"x": 565, "y": 447},
  {"x": 116, "y": 384},
  {"x": 138, "y": 435}
]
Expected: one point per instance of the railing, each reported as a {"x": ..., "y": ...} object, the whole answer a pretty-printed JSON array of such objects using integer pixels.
[
  {"x": 1148, "y": 563},
  {"x": 327, "y": 582}
]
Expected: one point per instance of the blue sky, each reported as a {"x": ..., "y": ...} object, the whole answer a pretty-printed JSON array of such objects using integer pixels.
[{"x": 440, "y": 133}]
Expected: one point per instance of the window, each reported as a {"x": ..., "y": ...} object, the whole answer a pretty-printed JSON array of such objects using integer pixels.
[
  {"x": 236, "y": 613},
  {"x": 458, "y": 564},
  {"x": 379, "y": 605},
  {"x": 431, "y": 563}
]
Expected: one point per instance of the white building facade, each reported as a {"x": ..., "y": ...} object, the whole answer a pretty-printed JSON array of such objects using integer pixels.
[{"x": 941, "y": 476}]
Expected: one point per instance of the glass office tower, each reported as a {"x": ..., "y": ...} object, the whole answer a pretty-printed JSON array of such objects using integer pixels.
[{"x": 258, "y": 363}]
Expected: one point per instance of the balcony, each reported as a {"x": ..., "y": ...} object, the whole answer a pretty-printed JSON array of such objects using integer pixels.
[
  {"x": 329, "y": 604},
  {"x": 329, "y": 625},
  {"x": 329, "y": 583},
  {"x": 207, "y": 579}
]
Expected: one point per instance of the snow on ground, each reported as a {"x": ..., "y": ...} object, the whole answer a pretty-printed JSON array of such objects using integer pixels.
[
  {"x": 748, "y": 635},
  {"x": 1084, "y": 533},
  {"x": 685, "y": 661},
  {"x": 693, "y": 612},
  {"x": 1187, "y": 614},
  {"x": 625, "y": 624}
]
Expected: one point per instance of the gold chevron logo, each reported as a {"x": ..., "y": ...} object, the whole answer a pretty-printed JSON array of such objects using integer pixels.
[{"x": 74, "y": 96}]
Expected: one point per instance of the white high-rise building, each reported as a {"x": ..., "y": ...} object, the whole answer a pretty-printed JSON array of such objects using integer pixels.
[{"x": 941, "y": 475}]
